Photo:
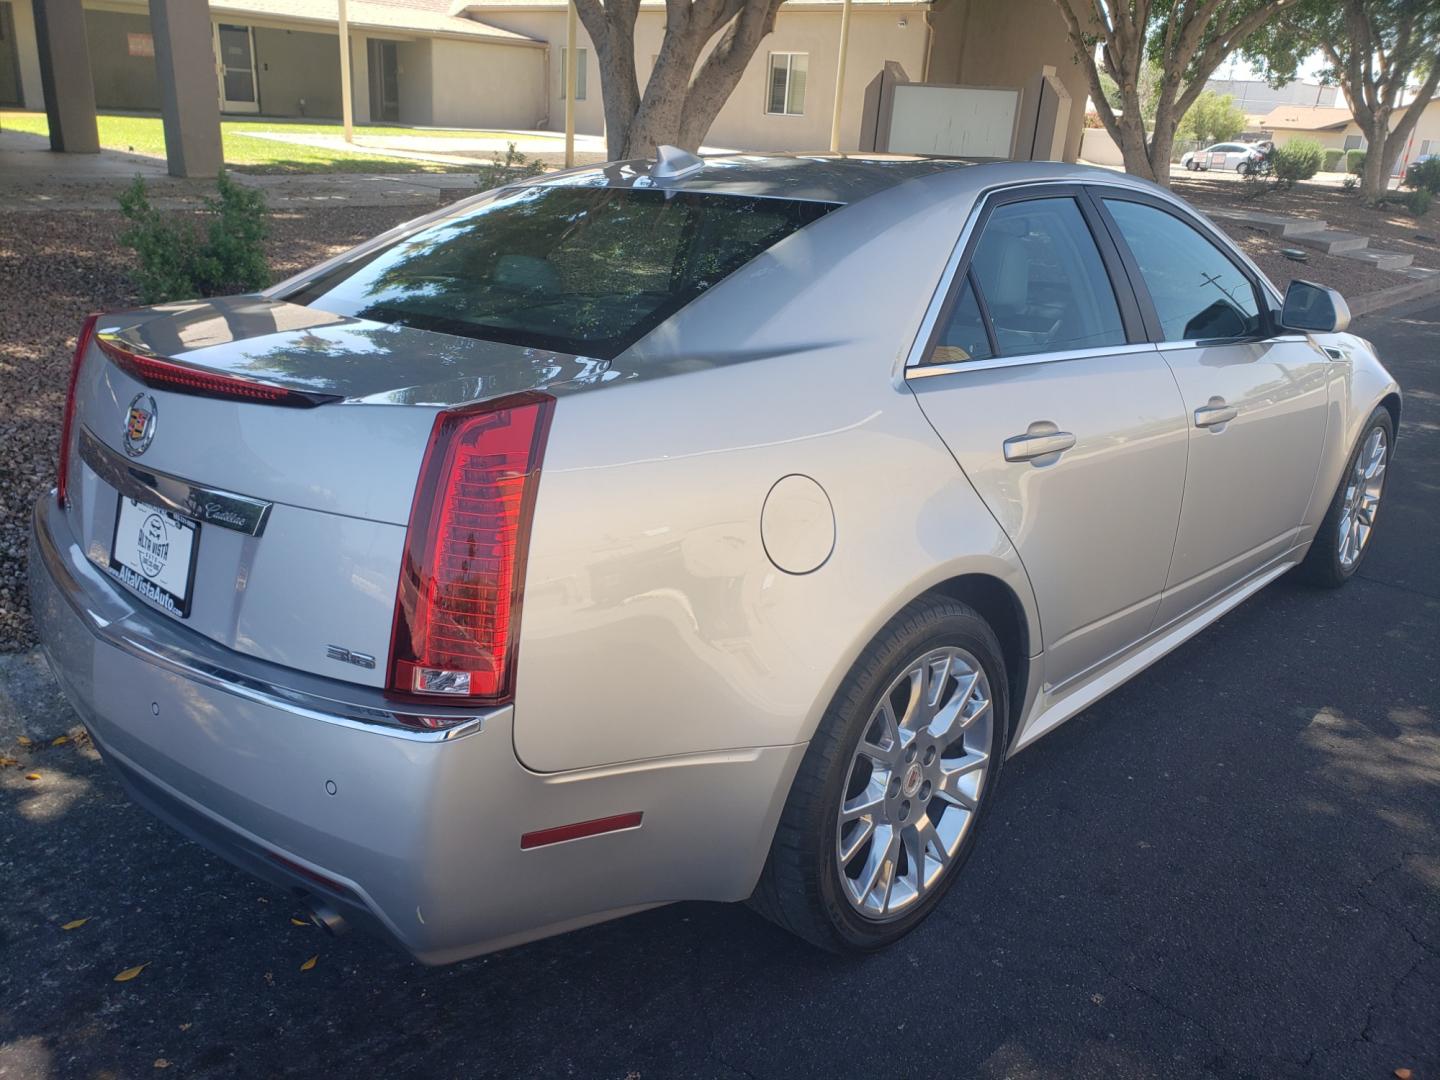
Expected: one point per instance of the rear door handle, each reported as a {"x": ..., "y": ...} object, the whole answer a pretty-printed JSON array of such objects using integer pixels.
[
  {"x": 1214, "y": 413},
  {"x": 1038, "y": 443}
]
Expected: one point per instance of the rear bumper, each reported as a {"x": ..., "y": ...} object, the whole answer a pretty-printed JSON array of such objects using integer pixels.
[{"x": 422, "y": 832}]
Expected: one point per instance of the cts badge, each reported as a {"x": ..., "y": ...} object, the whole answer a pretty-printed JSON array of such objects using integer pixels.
[{"x": 139, "y": 425}]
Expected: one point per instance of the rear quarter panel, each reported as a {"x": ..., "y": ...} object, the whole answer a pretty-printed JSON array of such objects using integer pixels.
[{"x": 654, "y": 623}]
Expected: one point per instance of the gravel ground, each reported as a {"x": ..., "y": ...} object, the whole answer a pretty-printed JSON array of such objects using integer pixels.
[
  {"x": 55, "y": 267},
  {"x": 1390, "y": 229}
]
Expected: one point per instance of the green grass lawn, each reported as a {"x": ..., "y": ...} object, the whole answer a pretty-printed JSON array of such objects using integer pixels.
[{"x": 146, "y": 135}]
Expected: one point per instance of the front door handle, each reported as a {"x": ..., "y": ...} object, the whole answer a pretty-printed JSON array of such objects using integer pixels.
[
  {"x": 1214, "y": 413},
  {"x": 1041, "y": 440}
]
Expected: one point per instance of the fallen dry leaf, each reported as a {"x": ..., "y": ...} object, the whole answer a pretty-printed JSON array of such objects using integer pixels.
[
  {"x": 298, "y": 922},
  {"x": 60, "y": 740},
  {"x": 184, "y": 1027},
  {"x": 130, "y": 973},
  {"x": 32, "y": 776},
  {"x": 1403, "y": 1074},
  {"x": 75, "y": 924},
  {"x": 23, "y": 741},
  {"x": 308, "y": 964},
  {"x": 161, "y": 1063},
  {"x": 4, "y": 761}
]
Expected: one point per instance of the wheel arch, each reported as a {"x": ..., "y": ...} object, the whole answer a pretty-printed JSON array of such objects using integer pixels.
[
  {"x": 998, "y": 604},
  {"x": 1391, "y": 404}
]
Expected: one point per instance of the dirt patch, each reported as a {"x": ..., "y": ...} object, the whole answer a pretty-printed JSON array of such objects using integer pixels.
[
  {"x": 56, "y": 267},
  {"x": 1389, "y": 229}
]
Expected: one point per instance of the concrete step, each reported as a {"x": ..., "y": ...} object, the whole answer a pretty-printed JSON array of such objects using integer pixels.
[
  {"x": 1381, "y": 260},
  {"x": 1420, "y": 273},
  {"x": 1331, "y": 241},
  {"x": 1274, "y": 224}
]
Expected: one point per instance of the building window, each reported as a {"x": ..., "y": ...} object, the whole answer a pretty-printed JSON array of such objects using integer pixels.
[
  {"x": 581, "y": 58},
  {"x": 1354, "y": 142},
  {"x": 787, "y": 84}
]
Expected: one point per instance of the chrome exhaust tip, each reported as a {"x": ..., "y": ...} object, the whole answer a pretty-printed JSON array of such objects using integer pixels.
[{"x": 326, "y": 917}]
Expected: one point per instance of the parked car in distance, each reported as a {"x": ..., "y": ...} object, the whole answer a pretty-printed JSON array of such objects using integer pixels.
[
  {"x": 681, "y": 529},
  {"x": 1239, "y": 157}
]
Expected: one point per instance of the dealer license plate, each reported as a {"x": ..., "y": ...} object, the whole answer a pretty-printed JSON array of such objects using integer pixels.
[{"x": 153, "y": 553}]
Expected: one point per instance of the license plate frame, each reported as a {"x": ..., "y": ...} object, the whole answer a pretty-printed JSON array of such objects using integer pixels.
[{"x": 150, "y": 546}]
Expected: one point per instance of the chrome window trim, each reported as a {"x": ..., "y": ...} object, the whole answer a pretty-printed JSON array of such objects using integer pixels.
[
  {"x": 1214, "y": 343},
  {"x": 75, "y": 576},
  {"x": 954, "y": 367},
  {"x": 211, "y": 506},
  {"x": 915, "y": 366}
]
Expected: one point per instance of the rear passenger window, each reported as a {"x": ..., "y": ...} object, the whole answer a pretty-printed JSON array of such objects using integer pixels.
[
  {"x": 1042, "y": 283},
  {"x": 1197, "y": 290},
  {"x": 964, "y": 336}
]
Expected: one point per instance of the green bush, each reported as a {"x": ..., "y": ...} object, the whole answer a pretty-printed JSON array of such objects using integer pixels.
[
  {"x": 1418, "y": 201},
  {"x": 1354, "y": 161},
  {"x": 178, "y": 260},
  {"x": 1424, "y": 176},
  {"x": 513, "y": 166},
  {"x": 1298, "y": 159},
  {"x": 1332, "y": 160}
]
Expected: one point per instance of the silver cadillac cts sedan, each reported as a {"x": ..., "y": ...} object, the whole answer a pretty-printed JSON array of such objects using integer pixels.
[{"x": 681, "y": 530}]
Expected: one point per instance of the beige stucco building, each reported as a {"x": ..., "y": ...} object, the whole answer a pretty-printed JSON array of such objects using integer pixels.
[
  {"x": 499, "y": 63},
  {"x": 1336, "y": 129}
]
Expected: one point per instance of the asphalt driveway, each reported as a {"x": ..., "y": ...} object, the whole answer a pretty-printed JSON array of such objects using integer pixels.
[{"x": 1228, "y": 868}]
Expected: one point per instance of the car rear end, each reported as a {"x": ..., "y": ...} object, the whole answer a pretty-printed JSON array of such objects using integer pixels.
[{"x": 281, "y": 578}]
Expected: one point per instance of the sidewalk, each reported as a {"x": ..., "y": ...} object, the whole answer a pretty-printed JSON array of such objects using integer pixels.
[{"x": 34, "y": 178}]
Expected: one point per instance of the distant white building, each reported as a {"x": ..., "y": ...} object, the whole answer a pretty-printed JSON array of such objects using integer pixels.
[{"x": 1257, "y": 97}]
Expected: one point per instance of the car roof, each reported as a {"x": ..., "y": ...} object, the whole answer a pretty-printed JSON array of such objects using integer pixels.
[{"x": 832, "y": 178}]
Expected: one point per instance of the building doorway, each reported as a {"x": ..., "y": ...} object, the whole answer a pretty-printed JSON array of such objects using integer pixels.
[
  {"x": 235, "y": 66},
  {"x": 384, "y": 81}
]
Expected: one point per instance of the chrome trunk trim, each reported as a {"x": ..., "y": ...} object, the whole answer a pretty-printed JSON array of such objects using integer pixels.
[{"x": 212, "y": 506}]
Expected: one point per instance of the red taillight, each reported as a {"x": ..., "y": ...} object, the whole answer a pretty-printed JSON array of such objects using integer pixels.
[
  {"x": 82, "y": 345},
  {"x": 457, "y": 608},
  {"x": 164, "y": 374}
]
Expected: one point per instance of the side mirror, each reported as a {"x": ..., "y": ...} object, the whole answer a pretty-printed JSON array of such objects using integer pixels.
[{"x": 1314, "y": 309}]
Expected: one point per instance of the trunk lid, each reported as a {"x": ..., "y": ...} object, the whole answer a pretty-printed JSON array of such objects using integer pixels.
[{"x": 302, "y": 511}]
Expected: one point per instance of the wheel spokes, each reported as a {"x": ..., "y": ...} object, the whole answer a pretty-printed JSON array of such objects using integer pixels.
[{"x": 914, "y": 783}]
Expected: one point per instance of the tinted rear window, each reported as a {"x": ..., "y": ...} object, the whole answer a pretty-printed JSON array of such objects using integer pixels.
[{"x": 578, "y": 270}]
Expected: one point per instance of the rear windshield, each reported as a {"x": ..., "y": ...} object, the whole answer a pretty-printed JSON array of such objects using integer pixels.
[{"x": 583, "y": 270}]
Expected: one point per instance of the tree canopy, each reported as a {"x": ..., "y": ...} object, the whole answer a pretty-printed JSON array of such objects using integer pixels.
[
  {"x": 1186, "y": 39},
  {"x": 1385, "y": 55},
  {"x": 1213, "y": 118}
]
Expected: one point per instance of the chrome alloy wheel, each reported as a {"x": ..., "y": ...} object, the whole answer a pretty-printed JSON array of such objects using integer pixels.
[
  {"x": 1362, "y": 498},
  {"x": 914, "y": 783}
]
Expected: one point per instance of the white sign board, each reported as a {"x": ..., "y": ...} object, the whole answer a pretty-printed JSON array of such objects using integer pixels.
[{"x": 953, "y": 121}]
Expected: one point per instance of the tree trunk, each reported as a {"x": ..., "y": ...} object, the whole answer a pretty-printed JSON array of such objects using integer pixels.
[
  {"x": 1375, "y": 175},
  {"x": 1160, "y": 143},
  {"x": 680, "y": 102}
]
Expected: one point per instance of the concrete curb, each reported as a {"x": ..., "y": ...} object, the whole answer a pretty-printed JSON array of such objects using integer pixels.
[{"x": 1396, "y": 294}]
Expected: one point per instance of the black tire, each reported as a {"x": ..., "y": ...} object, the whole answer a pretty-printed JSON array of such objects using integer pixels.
[
  {"x": 1244, "y": 168},
  {"x": 800, "y": 888},
  {"x": 1321, "y": 566},
  {"x": 1192, "y": 166}
]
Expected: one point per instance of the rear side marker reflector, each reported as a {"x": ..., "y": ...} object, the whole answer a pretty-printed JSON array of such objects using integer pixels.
[
  {"x": 162, "y": 374},
  {"x": 580, "y": 830}
]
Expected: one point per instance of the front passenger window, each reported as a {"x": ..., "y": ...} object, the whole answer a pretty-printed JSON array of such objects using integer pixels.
[{"x": 1198, "y": 292}]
